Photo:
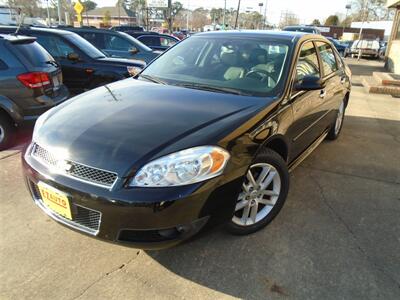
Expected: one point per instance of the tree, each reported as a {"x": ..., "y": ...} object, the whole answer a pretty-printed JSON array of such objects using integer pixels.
[
  {"x": 28, "y": 8},
  {"x": 316, "y": 22},
  {"x": 89, "y": 5},
  {"x": 170, "y": 14},
  {"x": 106, "y": 18},
  {"x": 370, "y": 10},
  {"x": 332, "y": 20}
]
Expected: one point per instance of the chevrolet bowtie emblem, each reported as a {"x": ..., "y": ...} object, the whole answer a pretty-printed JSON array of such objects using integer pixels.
[{"x": 64, "y": 165}]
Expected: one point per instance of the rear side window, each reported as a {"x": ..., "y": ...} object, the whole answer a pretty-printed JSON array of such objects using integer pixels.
[
  {"x": 55, "y": 45},
  {"x": 307, "y": 64},
  {"x": 114, "y": 42},
  {"x": 166, "y": 41},
  {"x": 33, "y": 53},
  {"x": 3, "y": 65},
  {"x": 150, "y": 40},
  {"x": 328, "y": 58}
]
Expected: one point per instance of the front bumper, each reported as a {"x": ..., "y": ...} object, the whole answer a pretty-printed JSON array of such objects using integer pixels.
[{"x": 147, "y": 218}]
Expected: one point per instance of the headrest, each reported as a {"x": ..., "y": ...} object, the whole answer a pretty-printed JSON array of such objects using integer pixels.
[
  {"x": 229, "y": 58},
  {"x": 258, "y": 56}
]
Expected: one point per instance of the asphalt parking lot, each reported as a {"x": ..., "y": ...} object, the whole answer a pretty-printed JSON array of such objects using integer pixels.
[{"x": 338, "y": 236}]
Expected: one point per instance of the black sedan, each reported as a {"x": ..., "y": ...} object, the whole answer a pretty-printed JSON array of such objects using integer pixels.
[{"x": 206, "y": 135}]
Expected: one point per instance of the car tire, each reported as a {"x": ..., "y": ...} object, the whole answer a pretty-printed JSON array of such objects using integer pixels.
[
  {"x": 260, "y": 210},
  {"x": 7, "y": 131},
  {"x": 337, "y": 125}
]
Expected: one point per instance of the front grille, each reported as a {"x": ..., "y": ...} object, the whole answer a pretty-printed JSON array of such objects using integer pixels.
[
  {"x": 76, "y": 170},
  {"x": 83, "y": 218}
]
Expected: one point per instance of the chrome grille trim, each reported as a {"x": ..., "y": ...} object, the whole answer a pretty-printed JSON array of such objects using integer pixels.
[
  {"x": 77, "y": 171},
  {"x": 86, "y": 219}
]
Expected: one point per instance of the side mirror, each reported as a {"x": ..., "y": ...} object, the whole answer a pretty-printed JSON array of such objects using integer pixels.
[
  {"x": 73, "y": 56},
  {"x": 309, "y": 83},
  {"x": 133, "y": 50}
]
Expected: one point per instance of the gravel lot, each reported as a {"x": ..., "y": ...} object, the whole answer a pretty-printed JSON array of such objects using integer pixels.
[{"x": 338, "y": 236}]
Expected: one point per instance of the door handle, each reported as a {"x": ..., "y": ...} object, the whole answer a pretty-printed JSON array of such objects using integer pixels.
[{"x": 322, "y": 94}]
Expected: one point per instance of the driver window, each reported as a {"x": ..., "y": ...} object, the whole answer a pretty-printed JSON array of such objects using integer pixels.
[{"x": 307, "y": 65}]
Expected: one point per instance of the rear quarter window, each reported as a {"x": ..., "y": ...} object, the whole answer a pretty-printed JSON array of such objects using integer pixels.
[{"x": 35, "y": 54}]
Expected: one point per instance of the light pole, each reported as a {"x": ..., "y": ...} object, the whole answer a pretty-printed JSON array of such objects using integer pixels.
[
  {"x": 348, "y": 7},
  {"x": 48, "y": 14},
  {"x": 59, "y": 12},
  {"x": 260, "y": 5},
  {"x": 265, "y": 14}
]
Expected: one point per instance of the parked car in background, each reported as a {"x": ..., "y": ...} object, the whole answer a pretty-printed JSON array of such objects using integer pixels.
[
  {"x": 84, "y": 67},
  {"x": 382, "y": 50},
  {"x": 302, "y": 28},
  {"x": 209, "y": 138},
  {"x": 30, "y": 83},
  {"x": 154, "y": 40},
  {"x": 367, "y": 47},
  {"x": 341, "y": 48},
  {"x": 125, "y": 28},
  {"x": 117, "y": 44}
]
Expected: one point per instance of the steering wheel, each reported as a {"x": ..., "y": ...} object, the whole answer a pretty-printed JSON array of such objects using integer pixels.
[{"x": 259, "y": 74}]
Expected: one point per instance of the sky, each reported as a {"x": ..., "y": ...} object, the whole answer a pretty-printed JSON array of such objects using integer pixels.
[{"x": 306, "y": 10}]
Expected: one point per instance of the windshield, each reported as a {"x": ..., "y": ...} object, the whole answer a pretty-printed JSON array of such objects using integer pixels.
[
  {"x": 137, "y": 43},
  {"x": 251, "y": 66},
  {"x": 84, "y": 46}
]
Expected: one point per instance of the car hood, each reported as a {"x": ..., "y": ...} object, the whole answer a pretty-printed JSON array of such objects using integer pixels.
[
  {"x": 127, "y": 123},
  {"x": 122, "y": 62}
]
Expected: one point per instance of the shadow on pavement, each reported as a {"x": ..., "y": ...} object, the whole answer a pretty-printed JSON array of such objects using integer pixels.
[
  {"x": 332, "y": 237},
  {"x": 365, "y": 67}
]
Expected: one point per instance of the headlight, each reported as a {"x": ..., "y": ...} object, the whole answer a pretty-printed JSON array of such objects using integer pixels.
[
  {"x": 183, "y": 167},
  {"x": 39, "y": 123}
]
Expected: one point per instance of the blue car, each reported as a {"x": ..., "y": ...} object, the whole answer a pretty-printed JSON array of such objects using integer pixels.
[{"x": 341, "y": 48}]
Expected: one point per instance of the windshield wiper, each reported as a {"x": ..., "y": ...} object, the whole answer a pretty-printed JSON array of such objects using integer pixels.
[
  {"x": 211, "y": 88},
  {"x": 152, "y": 79}
]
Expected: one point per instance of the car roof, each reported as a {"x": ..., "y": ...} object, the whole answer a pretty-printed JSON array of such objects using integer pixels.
[
  {"x": 42, "y": 29},
  {"x": 16, "y": 39},
  {"x": 281, "y": 35},
  {"x": 92, "y": 30}
]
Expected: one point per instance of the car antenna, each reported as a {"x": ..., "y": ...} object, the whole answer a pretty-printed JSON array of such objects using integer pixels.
[{"x": 21, "y": 21}]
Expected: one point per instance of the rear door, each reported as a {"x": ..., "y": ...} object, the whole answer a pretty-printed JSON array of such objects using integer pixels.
[{"x": 74, "y": 73}]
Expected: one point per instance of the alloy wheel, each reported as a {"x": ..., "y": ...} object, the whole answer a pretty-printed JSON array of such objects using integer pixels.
[
  {"x": 260, "y": 192},
  {"x": 2, "y": 134},
  {"x": 339, "y": 118}
]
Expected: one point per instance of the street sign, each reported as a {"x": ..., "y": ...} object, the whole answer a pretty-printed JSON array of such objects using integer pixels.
[
  {"x": 157, "y": 3},
  {"x": 78, "y": 7}
]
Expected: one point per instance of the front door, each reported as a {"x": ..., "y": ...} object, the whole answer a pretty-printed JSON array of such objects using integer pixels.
[{"x": 305, "y": 104}]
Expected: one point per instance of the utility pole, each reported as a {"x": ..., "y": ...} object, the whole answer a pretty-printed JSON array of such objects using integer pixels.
[
  {"x": 59, "y": 12},
  {"x": 223, "y": 19},
  {"x": 237, "y": 15},
  {"x": 170, "y": 16},
  {"x": 364, "y": 10}
]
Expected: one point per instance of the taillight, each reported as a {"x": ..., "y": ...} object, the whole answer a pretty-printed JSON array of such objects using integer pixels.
[{"x": 35, "y": 80}]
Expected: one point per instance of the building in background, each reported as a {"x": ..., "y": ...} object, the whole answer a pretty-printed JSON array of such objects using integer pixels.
[
  {"x": 350, "y": 33},
  {"x": 108, "y": 16},
  {"x": 393, "y": 48},
  {"x": 383, "y": 25}
]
